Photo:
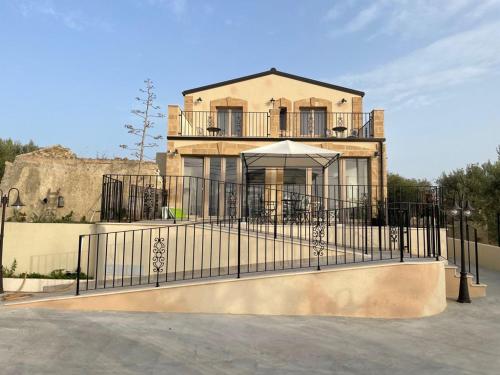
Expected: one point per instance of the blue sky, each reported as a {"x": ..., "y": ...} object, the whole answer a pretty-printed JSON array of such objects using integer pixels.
[{"x": 69, "y": 70}]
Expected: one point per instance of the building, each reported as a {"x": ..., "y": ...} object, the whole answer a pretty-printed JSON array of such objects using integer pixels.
[{"x": 220, "y": 120}]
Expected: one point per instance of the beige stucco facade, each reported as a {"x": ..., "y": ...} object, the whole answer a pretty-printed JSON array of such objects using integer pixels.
[
  {"x": 256, "y": 94},
  {"x": 403, "y": 290},
  {"x": 261, "y": 99}
]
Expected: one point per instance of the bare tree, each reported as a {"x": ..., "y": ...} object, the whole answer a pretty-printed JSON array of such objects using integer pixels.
[{"x": 146, "y": 114}]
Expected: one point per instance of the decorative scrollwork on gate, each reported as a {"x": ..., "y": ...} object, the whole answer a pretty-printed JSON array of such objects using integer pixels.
[
  {"x": 318, "y": 234},
  {"x": 232, "y": 205},
  {"x": 158, "y": 252},
  {"x": 394, "y": 234},
  {"x": 332, "y": 216},
  {"x": 149, "y": 201}
]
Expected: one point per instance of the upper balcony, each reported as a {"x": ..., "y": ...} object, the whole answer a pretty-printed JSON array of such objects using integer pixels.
[{"x": 311, "y": 123}]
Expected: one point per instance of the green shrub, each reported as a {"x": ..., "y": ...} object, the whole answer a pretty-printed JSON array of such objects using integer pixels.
[
  {"x": 17, "y": 217},
  {"x": 66, "y": 218},
  {"x": 59, "y": 274},
  {"x": 9, "y": 272}
]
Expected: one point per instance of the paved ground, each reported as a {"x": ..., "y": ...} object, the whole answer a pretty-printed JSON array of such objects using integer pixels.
[{"x": 463, "y": 340}]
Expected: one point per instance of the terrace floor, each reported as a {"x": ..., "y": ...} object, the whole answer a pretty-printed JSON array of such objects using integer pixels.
[{"x": 465, "y": 339}]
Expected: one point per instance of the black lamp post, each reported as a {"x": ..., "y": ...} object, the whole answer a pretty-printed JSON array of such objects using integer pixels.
[
  {"x": 4, "y": 200},
  {"x": 462, "y": 209}
]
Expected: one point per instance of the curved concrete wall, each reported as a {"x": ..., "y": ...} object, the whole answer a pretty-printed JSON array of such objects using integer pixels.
[{"x": 401, "y": 290}]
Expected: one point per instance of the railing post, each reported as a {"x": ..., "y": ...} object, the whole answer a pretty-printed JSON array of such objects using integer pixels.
[
  {"x": 401, "y": 235},
  {"x": 477, "y": 256},
  {"x": 239, "y": 246},
  {"x": 366, "y": 228},
  {"x": 438, "y": 233},
  {"x": 104, "y": 199},
  {"x": 275, "y": 212},
  {"x": 498, "y": 228},
  {"x": 78, "y": 267},
  {"x": 379, "y": 220}
]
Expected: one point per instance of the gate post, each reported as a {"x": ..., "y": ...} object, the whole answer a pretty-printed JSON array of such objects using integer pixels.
[
  {"x": 239, "y": 246},
  {"x": 438, "y": 233},
  {"x": 276, "y": 211},
  {"x": 78, "y": 267}
]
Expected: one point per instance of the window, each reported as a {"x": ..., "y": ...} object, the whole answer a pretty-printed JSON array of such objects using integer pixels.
[
  {"x": 231, "y": 188},
  {"x": 192, "y": 186},
  {"x": 294, "y": 176},
  {"x": 356, "y": 177},
  {"x": 231, "y": 169},
  {"x": 317, "y": 182},
  {"x": 283, "y": 119},
  {"x": 223, "y": 189},
  {"x": 256, "y": 176},
  {"x": 333, "y": 173},
  {"x": 254, "y": 181},
  {"x": 193, "y": 166},
  {"x": 294, "y": 181},
  {"x": 313, "y": 121},
  {"x": 229, "y": 120},
  {"x": 333, "y": 185},
  {"x": 214, "y": 183}
]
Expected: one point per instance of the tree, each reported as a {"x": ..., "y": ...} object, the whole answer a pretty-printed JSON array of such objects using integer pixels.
[
  {"x": 9, "y": 149},
  {"x": 480, "y": 184},
  {"x": 402, "y": 189},
  {"x": 146, "y": 115}
]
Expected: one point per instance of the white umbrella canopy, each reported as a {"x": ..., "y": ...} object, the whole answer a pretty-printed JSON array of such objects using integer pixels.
[{"x": 289, "y": 154}]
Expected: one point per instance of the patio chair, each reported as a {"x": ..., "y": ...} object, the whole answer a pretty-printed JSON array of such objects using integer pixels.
[{"x": 302, "y": 210}]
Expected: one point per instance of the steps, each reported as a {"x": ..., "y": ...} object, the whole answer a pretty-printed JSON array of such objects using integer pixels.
[{"x": 453, "y": 281}]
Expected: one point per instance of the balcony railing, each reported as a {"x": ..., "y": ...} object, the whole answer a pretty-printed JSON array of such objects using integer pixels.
[
  {"x": 326, "y": 124},
  {"x": 224, "y": 123},
  {"x": 305, "y": 124}
]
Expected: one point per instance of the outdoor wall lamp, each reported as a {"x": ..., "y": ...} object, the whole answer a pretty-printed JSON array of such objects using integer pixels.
[
  {"x": 272, "y": 100},
  {"x": 460, "y": 210},
  {"x": 344, "y": 100},
  {"x": 4, "y": 199},
  {"x": 199, "y": 100},
  {"x": 173, "y": 153}
]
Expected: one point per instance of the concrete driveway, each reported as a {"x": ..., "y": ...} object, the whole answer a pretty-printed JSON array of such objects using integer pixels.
[{"x": 463, "y": 340}]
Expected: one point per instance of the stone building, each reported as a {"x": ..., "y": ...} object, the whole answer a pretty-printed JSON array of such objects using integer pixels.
[
  {"x": 53, "y": 182},
  {"x": 220, "y": 120}
]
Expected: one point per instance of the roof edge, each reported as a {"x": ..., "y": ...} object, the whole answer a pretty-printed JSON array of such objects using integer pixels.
[{"x": 278, "y": 73}]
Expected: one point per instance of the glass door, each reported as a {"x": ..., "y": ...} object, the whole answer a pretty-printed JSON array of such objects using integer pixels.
[
  {"x": 313, "y": 122},
  {"x": 215, "y": 186},
  {"x": 193, "y": 189},
  {"x": 356, "y": 178},
  {"x": 230, "y": 121}
]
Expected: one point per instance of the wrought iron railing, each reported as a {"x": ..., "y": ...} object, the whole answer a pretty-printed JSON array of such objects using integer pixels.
[
  {"x": 326, "y": 125},
  {"x": 305, "y": 124},
  {"x": 469, "y": 234},
  {"x": 224, "y": 124},
  {"x": 128, "y": 198},
  {"x": 314, "y": 237}
]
